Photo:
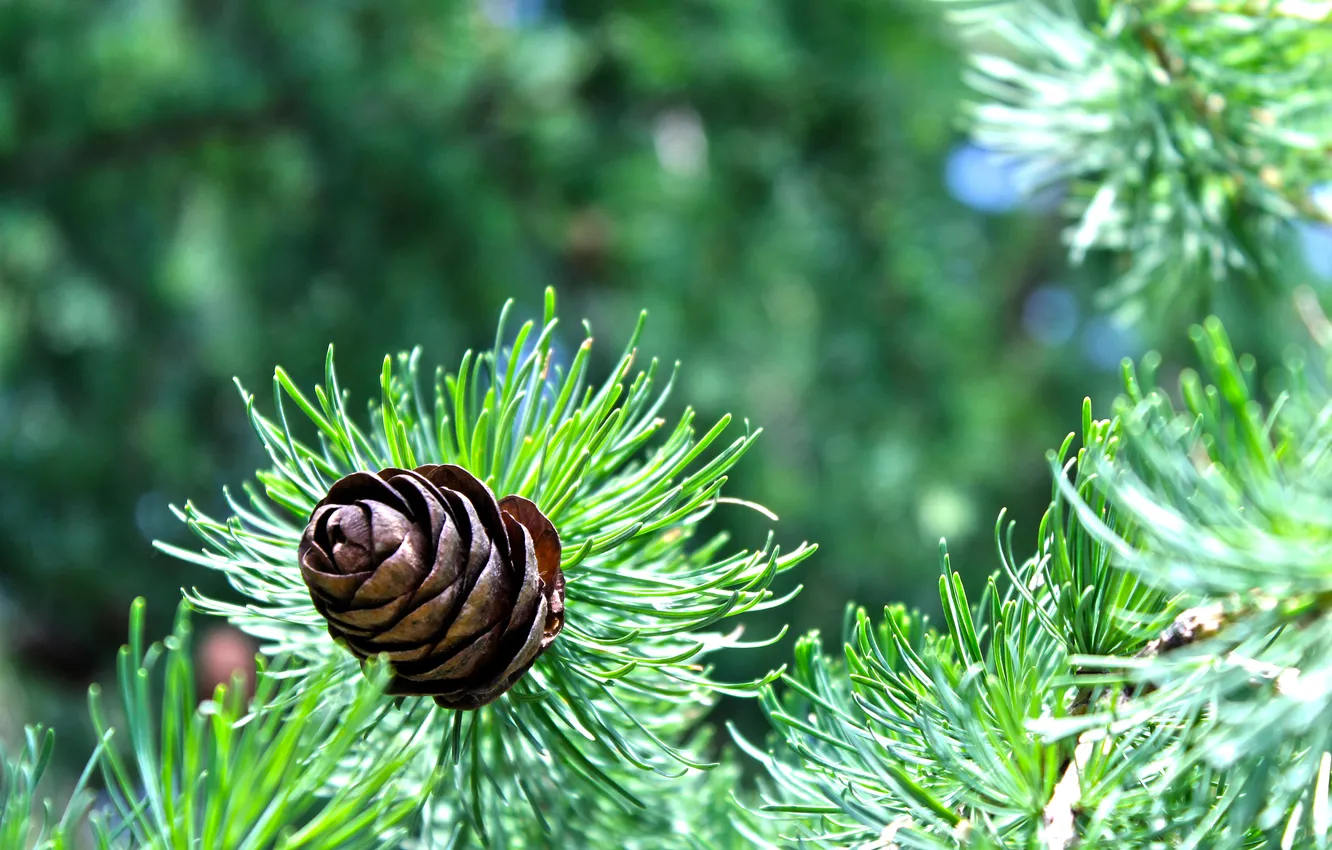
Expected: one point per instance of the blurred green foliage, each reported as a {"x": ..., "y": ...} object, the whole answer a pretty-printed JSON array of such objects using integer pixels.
[{"x": 193, "y": 191}]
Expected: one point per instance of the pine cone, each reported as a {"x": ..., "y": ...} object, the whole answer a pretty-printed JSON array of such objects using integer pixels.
[{"x": 462, "y": 592}]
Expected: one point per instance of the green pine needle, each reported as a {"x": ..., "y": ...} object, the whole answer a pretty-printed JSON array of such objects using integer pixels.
[
  {"x": 626, "y": 680},
  {"x": 916, "y": 733},
  {"x": 1189, "y": 136},
  {"x": 1155, "y": 675},
  {"x": 232, "y": 772},
  {"x": 1232, "y": 503},
  {"x": 929, "y": 738}
]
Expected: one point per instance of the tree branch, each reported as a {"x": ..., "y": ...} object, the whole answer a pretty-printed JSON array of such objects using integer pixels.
[{"x": 1061, "y": 811}]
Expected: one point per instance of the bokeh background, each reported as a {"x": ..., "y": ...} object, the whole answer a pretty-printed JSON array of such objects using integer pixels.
[{"x": 193, "y": 191}]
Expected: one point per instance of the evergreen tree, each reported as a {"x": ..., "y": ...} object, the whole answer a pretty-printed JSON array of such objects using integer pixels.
[{"x": 1150, "y": 671}]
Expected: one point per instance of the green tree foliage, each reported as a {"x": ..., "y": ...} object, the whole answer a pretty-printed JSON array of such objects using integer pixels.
[
  {"x": 1166, "y": 691},
  {"x": 232, "y": 772},
  {"x": 1193, "y": 134},
  {"x": 598, "y": 743},
  {"x": 190, "y": 193},
  {"x": 619, "y": 693}
]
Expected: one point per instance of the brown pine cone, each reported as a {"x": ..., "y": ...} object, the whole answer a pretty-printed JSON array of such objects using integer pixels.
[{"x": 461, "y": 591}]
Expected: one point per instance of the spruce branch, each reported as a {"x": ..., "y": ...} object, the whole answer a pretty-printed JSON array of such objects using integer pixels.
[
  {"x": 1192, "y": 625},
  {"x": 612, "y": 701},
  {"x": 1065, "y": 803}
]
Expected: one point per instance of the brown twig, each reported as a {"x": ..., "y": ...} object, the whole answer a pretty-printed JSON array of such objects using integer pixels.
[
  {"x": 1191, "y": 626},
  {"x": 1062, "y": 809}
]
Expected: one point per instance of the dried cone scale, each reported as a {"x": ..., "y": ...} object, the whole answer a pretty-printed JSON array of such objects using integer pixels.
[{"x": 462, "y": 592}]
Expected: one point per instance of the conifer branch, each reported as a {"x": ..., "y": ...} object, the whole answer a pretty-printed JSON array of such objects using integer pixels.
[
  {"x": 1166, "y": 647},
  {"x": 613, "y": 701},
  {"x": 1189, "y": 136}
]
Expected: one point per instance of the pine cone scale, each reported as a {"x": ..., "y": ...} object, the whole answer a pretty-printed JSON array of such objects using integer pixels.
[
  {"x": 446, "y": 573},
  {"x": 417, "y": 625},
  {"x": 348, "y": 529},
  {"x": 464, "y": 662},
  {"x": 423, "y": 500},
  {"x": 522, "y": 611},
  {"x": 364, "y": 487},
  {"x": 529, "y": 583},
  {"x": 458, "y": 484},
  {"x": 532, "y": 642},
  {"x": 365, "y": 622},
  {"x": 461, "y": 591},
  {"x": 326, "y": 586},
  {"x": 399, "y": 569},
  {"x": 486, "y": 603},
  {"x": 546, "y": 548},
  {"x": 385, "y": 531}
]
